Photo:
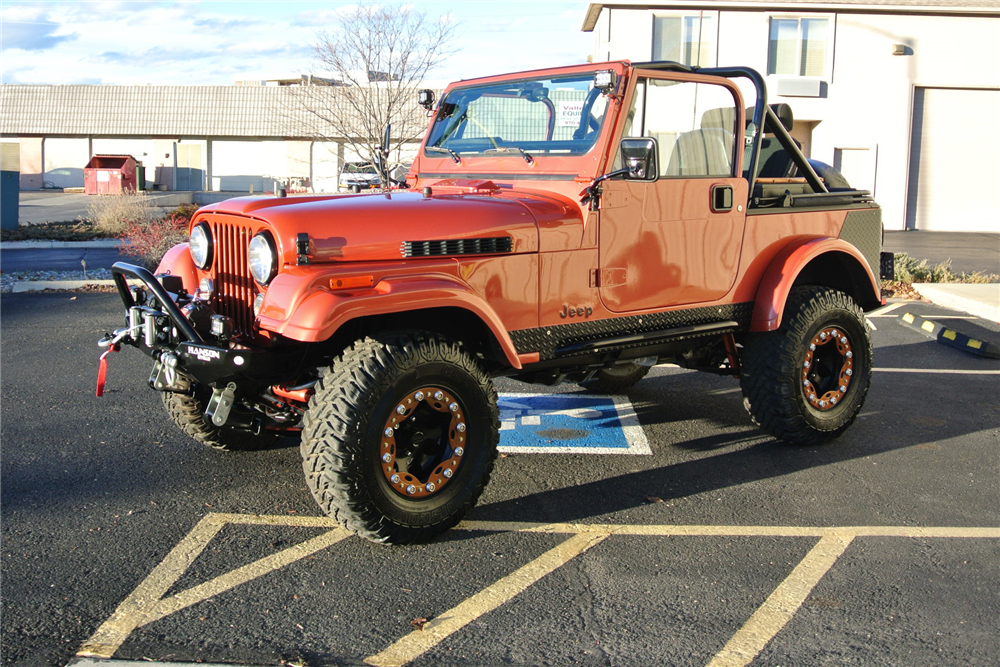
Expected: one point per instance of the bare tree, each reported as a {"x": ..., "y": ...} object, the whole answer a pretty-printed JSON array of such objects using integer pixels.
[{"x": 376, "y": 56}]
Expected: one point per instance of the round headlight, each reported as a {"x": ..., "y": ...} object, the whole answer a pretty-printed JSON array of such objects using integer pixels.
[
  {"x": 200, "y": 244},
  {"x": 262, "y": 257}
]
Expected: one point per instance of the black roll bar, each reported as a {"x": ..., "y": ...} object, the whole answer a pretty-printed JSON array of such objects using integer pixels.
[{"x": 761, "y": 113}]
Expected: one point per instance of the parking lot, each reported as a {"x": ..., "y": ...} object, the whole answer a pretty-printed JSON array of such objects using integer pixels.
[{"x": 713, "y": 545}]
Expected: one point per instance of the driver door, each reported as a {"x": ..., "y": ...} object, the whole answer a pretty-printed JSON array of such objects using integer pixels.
[{"x": 677, "y": 240}]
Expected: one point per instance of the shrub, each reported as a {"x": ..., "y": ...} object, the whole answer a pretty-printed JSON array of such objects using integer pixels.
[
  {"x": 112, "y": 214},
  {"x": 912, "y": 270},
  {"x": 148, "y": 242}
]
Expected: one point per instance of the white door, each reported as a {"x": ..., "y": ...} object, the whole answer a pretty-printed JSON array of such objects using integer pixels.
[{"x": 954, "y": 161}]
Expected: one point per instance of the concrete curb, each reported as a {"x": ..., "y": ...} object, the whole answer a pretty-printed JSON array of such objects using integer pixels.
[
  {"x": 951, "y": 336},
  {"x": 981, "y": 300},
  {"x": 35, "y": 245},
  {"x": 39, "y": 285}
]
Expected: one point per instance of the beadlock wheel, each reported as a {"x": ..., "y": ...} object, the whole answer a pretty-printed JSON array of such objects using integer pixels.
[
  {"x": 400, "y": 436},
  {"x": 827, "y": 369},
  {"x": 423, "y": 443},
  {"x": 806, "y": 382}
]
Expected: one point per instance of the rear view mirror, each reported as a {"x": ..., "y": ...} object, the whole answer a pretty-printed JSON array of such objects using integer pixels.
[{"x": 638, "y": 156}]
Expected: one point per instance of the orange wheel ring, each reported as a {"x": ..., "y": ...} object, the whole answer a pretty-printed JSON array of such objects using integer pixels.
[
  {"x": 423, "y": 442},
  {"x": 827, "y": 368}
]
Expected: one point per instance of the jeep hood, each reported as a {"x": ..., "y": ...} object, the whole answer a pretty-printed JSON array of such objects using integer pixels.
[{"x": 377, "y": 226}]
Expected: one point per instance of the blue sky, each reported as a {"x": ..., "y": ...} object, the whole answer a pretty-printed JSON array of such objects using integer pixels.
[{"x": 217, "y": 43}]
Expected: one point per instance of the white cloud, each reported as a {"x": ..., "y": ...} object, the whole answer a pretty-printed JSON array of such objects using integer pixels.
[{"x": 216, "y": 43}]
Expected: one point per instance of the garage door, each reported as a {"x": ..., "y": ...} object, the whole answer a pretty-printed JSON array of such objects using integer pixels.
[{"x": 954, "y": 161}]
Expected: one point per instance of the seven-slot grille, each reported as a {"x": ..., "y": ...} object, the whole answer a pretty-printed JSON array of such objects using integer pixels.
[
  {"x": 234, "y": 288},
  {"x": 482, "y": 246}
]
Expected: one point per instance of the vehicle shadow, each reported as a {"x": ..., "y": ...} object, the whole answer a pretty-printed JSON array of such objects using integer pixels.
[{"x": 733, "y": 452}]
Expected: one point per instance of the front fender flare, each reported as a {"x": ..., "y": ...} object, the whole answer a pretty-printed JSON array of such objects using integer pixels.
[
  {"x": 787, "y": 265},
  {"x": 313, "y": 312},
  {"x": 178, "y": 262}
]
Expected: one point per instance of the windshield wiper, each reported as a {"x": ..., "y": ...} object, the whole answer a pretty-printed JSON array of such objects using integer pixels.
[
  {"x": 441, "y": 149},
  {"x": 511, "y": 149}
]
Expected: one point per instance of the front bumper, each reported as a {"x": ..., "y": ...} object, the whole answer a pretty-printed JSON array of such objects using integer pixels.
[{"x": 157, "y": 326}]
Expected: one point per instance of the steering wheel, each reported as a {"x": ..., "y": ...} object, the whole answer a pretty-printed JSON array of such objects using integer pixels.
[{"x": 587, "y": 120}]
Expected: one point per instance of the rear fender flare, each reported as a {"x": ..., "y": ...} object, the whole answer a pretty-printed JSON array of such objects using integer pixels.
[
  {"x": 788, "y": 265},
  {"x": 318, "y": 313},
  {"x": 178, "y": 262}
]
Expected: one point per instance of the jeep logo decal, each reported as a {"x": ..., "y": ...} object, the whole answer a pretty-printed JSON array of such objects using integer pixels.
[{"x": 582, "y": 311}]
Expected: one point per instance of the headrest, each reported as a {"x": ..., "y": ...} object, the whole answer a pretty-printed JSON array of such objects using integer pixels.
[
  {"x": 782, "y": 111},
  {"x": 723, "y": 117}
]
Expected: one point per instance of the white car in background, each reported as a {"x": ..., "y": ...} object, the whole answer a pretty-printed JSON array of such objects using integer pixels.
[{"x": 361, "y": 174}]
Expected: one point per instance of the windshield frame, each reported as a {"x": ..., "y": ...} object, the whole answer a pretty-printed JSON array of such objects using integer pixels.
[{"x": 451, "y": 119}]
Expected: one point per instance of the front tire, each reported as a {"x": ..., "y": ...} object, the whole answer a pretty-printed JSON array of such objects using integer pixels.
[
  {"x": 400, "y": 437},
  {"x": 805, "y": 383},
  {"x": 188, "y": 413}
]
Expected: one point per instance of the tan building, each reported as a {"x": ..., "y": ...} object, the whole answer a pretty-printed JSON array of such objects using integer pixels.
[
  {"x": 217, "y": 138},
  {"x": 903, "y": 96}
]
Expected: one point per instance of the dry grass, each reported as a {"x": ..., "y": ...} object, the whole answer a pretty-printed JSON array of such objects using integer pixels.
[{"x": 112, "y": 214}]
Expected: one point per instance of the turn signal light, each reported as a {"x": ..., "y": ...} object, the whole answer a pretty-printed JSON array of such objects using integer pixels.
[{"x": 353, "y": 282}]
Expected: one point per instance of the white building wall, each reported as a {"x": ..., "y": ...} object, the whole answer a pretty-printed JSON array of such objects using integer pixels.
[
  {"x": 65, "y": 159},
  {"x": 238, "y": 166},
  {"x": 864, "y": 119},
  {"x": 326, "y": 159}
]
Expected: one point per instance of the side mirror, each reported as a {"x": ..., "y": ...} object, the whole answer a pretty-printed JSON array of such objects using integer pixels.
[
  {"x": 425, "y": 98},
  {"x": 639, "y": 159}
]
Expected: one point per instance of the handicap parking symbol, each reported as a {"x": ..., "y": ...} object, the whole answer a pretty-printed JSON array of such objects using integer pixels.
[{"x": 569, "y": 424}]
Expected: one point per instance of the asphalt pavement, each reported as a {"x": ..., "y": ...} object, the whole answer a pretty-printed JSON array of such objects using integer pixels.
[{"x": 122, "y": 537}]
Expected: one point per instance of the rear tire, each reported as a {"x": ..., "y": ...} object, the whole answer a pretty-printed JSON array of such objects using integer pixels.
[
  {"x": 400, "y": 437},
  {"x": 806, "y": 382},
  {"x": 615, "y": 379},
  {"x": 188, "y": 412}
]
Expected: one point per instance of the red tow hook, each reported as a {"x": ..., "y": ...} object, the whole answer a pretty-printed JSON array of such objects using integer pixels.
[{"x": 102, "y": 367}]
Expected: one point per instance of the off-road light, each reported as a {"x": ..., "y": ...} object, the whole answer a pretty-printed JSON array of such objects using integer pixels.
[
  {"x": 605, "y": 80},
  {"x": 200, "y": 245},
  {"x": 262, "y": 258},
  {"x": 425, "y": 98},
  {"x": 221, "y": 326}
]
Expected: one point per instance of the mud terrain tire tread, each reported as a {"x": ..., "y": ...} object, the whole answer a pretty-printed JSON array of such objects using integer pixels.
[
  {"x": 342, "y": 416},
  {"x": 188, "y": 413},
  {"x": 770, "y": 368}
]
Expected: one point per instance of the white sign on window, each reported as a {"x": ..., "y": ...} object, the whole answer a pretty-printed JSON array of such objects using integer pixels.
[{"x": 569, "y": 114}]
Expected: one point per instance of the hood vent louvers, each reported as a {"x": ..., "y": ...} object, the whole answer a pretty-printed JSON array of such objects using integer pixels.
[{"x": 484, "y": 246}]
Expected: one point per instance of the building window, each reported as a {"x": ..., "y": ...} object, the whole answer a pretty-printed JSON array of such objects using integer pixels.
[
  {"x": 798, "y": 46},
  {"x": 683, "y": 39}
]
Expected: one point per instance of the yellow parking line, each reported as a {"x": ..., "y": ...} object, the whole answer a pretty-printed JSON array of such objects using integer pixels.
[
  {"x": 132, "y": 610},
  {"x": 936, "y": 371},
  {"x": 781, "y": 605},
  {"x": 147, "y": 604},
  {"x": 885, "y": 310},
  {"x": 278, "y": 520},
  {"x": 242, "y": 575},
  {"x": 419, "y": 642},
  {"x": 663, "y": 530}
]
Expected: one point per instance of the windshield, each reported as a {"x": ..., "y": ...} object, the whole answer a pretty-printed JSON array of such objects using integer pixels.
[
  {"x": 537, "y": 116},
  {"x": 359, "y": 168}
]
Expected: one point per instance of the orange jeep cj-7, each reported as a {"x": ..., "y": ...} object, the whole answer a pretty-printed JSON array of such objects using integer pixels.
[{"x": 578, "y": 224}]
